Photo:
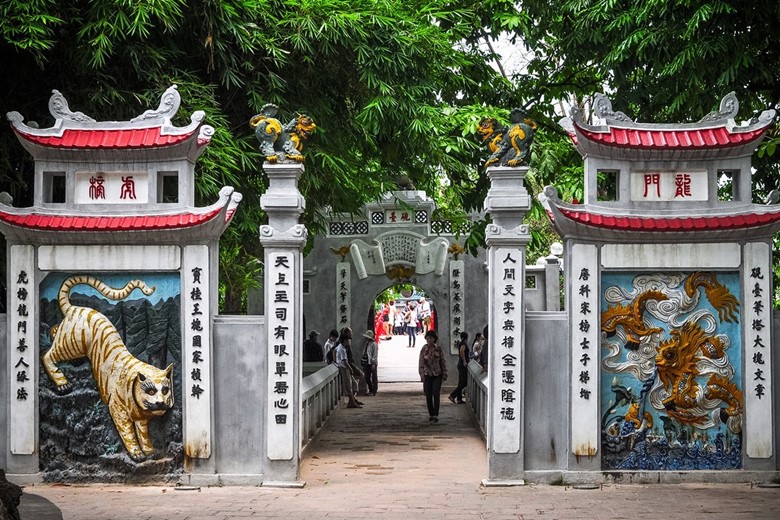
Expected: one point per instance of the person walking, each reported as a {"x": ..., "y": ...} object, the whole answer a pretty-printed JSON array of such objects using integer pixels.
[
  {"x": 476, "y": 347},
  {"x": 463, "y": 374},
  {"x": 433, "y": 372},
  {"x": 398, "y": 323},
  {"x": 370, "y": 361},
  {"x": 345, "y": 371},
  {"x": 410, "y": 320},
  {"x": 425, "y": 314}
]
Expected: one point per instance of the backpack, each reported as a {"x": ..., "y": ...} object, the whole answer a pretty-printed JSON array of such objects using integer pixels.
[{"x": 329, "y": 357}]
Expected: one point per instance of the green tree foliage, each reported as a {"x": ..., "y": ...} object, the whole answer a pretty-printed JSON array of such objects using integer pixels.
[
  {"x": 387, "y": 81},
  {"x": 396, "y": 87}
]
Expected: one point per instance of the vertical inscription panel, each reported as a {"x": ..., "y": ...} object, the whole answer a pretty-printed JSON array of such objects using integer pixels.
[
  {"x": 757, "y": 284},
  {"x": 281, "y": 305},
  {"x": 196, "y": 355},
  {"x": 507, "y": 279},
  {"x": 21, "y": 357},
  {"x": 343, "y": 295},
  {"x": 584, "y": 336},
  {"x": 457, "y": 280}
]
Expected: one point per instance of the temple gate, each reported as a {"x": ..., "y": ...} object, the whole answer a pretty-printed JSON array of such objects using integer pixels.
[
  {"x": 669, "y": 296},
  {"x": 112, "y": 264}
]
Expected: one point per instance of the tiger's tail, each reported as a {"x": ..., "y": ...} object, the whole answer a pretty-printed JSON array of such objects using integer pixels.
[{"x": 63, "y": 298}]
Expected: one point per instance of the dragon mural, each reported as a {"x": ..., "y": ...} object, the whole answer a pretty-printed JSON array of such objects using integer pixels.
[{"x": 674, "y": 400}]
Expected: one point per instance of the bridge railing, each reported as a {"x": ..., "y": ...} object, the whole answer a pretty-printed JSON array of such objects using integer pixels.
[
  {"x": 476, "y": 391},
  {"x": 319, "y": 397}
]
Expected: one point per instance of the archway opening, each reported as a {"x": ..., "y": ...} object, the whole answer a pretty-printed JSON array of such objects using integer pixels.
[{"x": 399, "y": 317}]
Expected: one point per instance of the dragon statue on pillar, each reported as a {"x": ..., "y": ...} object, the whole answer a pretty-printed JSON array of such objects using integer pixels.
[
  {"x": 280, "y": 142},
  {"x": 510, "y": 146}
]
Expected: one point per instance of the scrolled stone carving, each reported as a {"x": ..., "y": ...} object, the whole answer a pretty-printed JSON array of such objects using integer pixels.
[
  {"x": 729, "y": 106},
  {"x": 266, "y": 231},
  {"x": 602, "y": 107},
  {"x": 58, "y": 107},
  {"x": 169, "y": 105}
]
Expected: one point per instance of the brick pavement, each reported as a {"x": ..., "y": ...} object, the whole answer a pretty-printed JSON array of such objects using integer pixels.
[{"x": 386, "y": 461}]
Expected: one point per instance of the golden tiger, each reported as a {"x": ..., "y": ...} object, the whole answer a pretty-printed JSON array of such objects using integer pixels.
[{"x": 134, "y": 391}]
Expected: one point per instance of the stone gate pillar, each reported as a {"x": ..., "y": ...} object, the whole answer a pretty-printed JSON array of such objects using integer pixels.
[
  {"x": 283, "y": 240},
  {"x": 507, "y": 202}
]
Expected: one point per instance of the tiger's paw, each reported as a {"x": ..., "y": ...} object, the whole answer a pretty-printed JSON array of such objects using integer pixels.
[
  {"x": 64, "y": 389},
  {"x": 137, "y": 456}
]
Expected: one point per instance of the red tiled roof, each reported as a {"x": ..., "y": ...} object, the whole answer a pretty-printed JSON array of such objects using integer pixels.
[
  {"x": 718, "y": 137},
  {"x": 713, "y": 222},
  {"x": 89, "y": 223},
  {"x": 114, "y": 138}
]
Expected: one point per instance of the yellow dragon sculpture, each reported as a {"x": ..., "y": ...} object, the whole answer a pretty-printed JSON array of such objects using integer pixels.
[
  {"x": 630, "y": 318},
  {"x": 677, "y": 368}
]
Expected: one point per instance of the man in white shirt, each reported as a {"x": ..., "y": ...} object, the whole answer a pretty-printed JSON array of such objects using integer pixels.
[
  {"x": 425, "y": 314},
  {"x": 333, "y": 340},
  {"x": 345, "y": 370}
]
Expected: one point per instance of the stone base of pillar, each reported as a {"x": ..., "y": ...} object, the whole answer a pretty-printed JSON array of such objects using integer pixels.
[
  {"x": 502, "y": 483},
  {"x": 294, "y": 484}
]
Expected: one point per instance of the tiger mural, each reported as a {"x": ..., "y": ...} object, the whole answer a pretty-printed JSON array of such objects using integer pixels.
[{"x": 134, "y": 391}]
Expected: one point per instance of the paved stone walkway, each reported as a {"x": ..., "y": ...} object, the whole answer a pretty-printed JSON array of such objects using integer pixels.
[{"x": 386, "y": 461}]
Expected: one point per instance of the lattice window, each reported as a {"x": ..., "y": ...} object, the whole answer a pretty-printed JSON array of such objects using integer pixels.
[
  {"x": 421, "y": 217},
  {"x": 336, "y": 228},
  {"x": 377, "y": 217}
]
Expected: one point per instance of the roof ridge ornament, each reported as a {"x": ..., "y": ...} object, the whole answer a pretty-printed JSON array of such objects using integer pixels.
[
  {"x": 169, "y": 105},
  {"x": 58, "y": 107},
  {"x": 729, "y": 106},
  {"x": 602, "y": 107}
]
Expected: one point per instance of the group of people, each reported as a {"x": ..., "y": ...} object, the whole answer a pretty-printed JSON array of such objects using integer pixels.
[
  {"x": 410, "y": 319},
  {"x": 432, "y": 365},
  {"x": 338, "y": 350}
]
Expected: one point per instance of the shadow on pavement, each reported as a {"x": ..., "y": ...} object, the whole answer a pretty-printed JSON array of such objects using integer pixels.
[{"x": 35, "y": 507}]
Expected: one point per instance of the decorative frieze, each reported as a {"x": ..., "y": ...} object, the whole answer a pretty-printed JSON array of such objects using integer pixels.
[
  {"x": 669, "y": 186},
  {"x": 111, "y": 188}
]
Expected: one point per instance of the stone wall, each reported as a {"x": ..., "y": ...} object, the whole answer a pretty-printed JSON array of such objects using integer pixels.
[{"x": 240, "y": 379}]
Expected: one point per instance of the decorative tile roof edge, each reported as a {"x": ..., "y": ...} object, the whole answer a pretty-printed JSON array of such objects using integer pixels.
[
  {"x": 65, "y": 119},
  {"x": 36, "y": 218},
  {"x": 750, "y": 216},
  {"x": 722, "y": 118}
]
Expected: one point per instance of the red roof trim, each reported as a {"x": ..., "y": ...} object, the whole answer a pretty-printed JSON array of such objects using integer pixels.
[
  {"x": 655, "y": 139},
  {"x": 711, "y": 223},
  {"x": 102, "y": 223},
  {"x": 108, "y": 139}
]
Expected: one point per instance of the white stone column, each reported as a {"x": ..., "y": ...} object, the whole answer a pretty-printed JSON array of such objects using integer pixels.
[
  {"x": 197, "y": 388},
  {"x": 283, "y": 240},
  {"x": 584, "y": 333},
  {"x": 507, "y": 202},
  {"x": 22, "y": 354},
  {"x": 756, "y": 328}
]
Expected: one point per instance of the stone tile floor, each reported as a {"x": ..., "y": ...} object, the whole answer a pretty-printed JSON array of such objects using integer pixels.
[{"x": 386, "y": 461}]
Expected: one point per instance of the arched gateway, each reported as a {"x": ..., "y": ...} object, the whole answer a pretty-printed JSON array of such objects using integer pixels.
[{"x": 660, "y": 368}]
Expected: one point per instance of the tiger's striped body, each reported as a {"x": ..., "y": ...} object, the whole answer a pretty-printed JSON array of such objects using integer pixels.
[{"x": 134, "y": 391}]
